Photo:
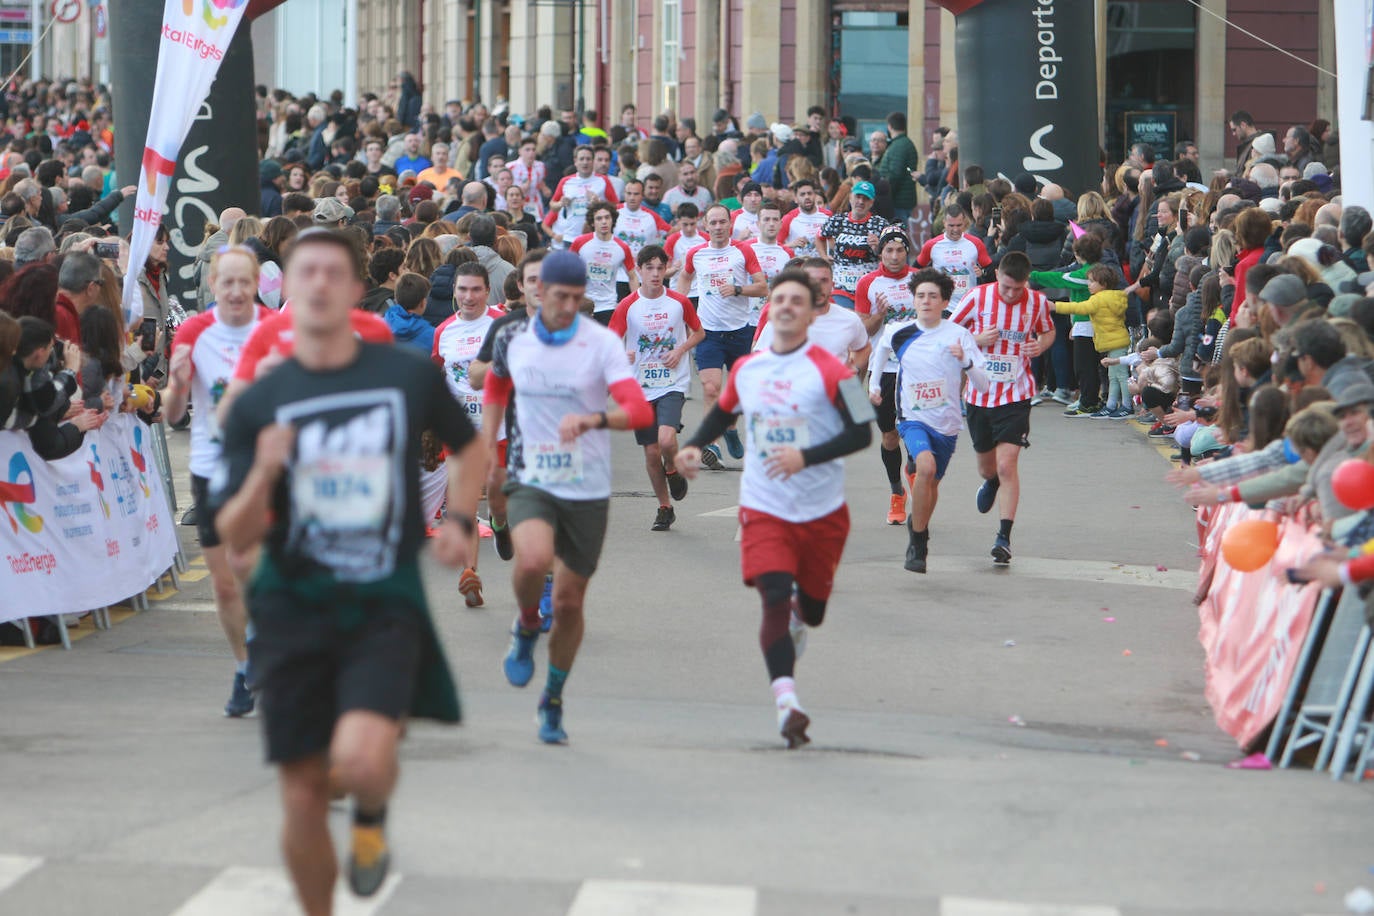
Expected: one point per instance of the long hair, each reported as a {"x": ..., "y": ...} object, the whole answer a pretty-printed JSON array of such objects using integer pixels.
[
  {"x": 31, "y": 290},
  {"x": 100, "y": 339}
]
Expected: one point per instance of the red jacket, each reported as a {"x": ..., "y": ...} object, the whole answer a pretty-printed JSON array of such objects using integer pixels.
[{"x": 68, "y": 320}]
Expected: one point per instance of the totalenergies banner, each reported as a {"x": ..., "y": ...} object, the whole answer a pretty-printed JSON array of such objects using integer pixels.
[
  {"x": 195, "y": 37},
  {"x": 1028, "y": 89},
  {"x": 84, "y": 532}
]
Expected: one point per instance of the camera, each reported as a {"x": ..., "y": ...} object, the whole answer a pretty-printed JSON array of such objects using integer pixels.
[{"x": 1205, "y": 411}]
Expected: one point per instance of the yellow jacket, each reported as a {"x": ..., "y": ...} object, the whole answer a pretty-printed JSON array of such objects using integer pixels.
[{"x": 1107, "y": 309}]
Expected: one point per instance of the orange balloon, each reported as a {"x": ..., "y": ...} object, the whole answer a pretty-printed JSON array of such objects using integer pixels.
[
  {"x": 1353, "y": 484},
  {"x": 1250, "y": 545}
]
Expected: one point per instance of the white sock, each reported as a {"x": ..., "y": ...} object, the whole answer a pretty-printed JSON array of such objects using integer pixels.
[{"x": 785, "y": 693}]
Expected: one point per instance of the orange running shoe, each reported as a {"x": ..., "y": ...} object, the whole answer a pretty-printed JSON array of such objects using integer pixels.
[
  {"x": 896, "y": 510},
  {"x": 470, "y": 584}
]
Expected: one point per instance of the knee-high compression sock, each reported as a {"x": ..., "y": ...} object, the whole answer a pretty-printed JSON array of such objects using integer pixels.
[
  {"x": 554, "y": 685},
  {"x": 892, "y": 463},
  {"x": 812, "y": 609},
  {"x": 778, "y": 652}
]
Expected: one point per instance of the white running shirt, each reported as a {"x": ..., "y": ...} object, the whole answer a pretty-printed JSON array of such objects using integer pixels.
[
  {"x": 961, "y": 260},
  {"x": 215, "y": 348},
  {"x": 800, "y": 231},
  {"x": 456, "y": 343},
  {"x": 577, "y": 194},
  {"x": 837, "y": 330},
  {"x": 771, "y": 259},
  {"x": 928, "y": 375},
  {"x": 652, "y": 328},
  {"x": 733, "y": 265},
  {"x": 901, "y": 307},
  {"x": 604, "y": 260}
]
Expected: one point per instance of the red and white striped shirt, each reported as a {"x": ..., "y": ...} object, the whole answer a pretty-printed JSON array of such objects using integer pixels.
[{"x": 1007, "y": 365}]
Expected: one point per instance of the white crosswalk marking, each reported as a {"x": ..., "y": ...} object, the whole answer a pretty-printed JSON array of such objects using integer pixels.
[
  {"x": 12, "y": 868},
  {"x": 967, "y": 906},
  {"x": 268, "y": 892},
  {"x": 647, "y": 898}
]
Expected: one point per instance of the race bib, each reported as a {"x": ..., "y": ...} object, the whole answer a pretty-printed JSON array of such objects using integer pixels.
[
  {"x": 770, "y": 431},
  {"x": 716, "y": 282},
  {"x": 847, "y": 276},
  {"x": 554, "y": 462},
  {"x": 472, "y": 405},
  {"x": 925, "y": 395},
  {"x": 1002, "y": 369},
  {"x": 599, "y": 272},
  {"x": 654, "y": 375},
  {"x": 342, "y": 492}
]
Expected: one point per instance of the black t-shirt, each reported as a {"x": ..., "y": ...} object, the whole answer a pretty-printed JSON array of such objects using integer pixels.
[{"x": 349, "y": 503}]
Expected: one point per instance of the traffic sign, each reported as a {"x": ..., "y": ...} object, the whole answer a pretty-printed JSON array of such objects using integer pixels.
[{"x": 66, "y": 10}]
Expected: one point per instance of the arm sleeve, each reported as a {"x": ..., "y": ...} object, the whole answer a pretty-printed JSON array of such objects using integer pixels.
[
  {"x": 855, "y": 436},
  {"x": 496, "y": 390},
  {"x": 630, "y": 398},
  {"x": 923, "y": 259}
]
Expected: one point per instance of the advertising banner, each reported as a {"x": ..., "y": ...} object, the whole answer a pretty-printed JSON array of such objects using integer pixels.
[
  {"x": 194, "y": 40},
  {"x": 84, "y": 532}
]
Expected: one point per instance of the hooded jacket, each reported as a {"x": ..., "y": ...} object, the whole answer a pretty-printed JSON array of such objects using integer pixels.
[
  {"x": 497, "y": 270},
  {"x": 1042, "y": 241},
  {"x": 410, "y": 330}
]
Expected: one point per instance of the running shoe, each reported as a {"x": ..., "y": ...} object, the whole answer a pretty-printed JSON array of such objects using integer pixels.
[
  {"x": 1063, "y": 396},
  {"x": 896, "y": 509},
  {"x": 470, "y": 585},
  {"x": 519, "y": 661},
  {"x": 191, "y": 516},
  {"x": 796, "y": 628},
  {"x": 1040, "y": 398},
  {"x": 1160, "y": 431},
  {"x": 550, "y": 719},
  {"x": 916, "y": 556},
  {"x": 734, "y": 444},
  {"x": 987, "y": 495},
  {"x": 1001, "y": 550},
  {"x": 368, "y": 860},
  {"x": 501, "y": 536},
  {"x": 1102, "y": 413},
  {"x": 1123, "y": 413},
  {"x": 546, "y": 606},
  {"x": 792, "y": 725},
  {"x": 677, "y": 487},
  {"x": 664, "y": 519},
  {"x": 1080, "y": 411},
  {"x": 240, "y": 699},
  {"x": 710, "y": 458}
]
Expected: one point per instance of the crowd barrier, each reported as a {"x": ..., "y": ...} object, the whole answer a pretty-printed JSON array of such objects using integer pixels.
[
  {"x": 86, "y": 532},
  {"x": 1290, "y": 663}
]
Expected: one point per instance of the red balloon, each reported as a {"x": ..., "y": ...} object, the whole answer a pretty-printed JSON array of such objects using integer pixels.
[
  {"x": 1353, "y": 484},
  {"x": 1249, "y": 545}
]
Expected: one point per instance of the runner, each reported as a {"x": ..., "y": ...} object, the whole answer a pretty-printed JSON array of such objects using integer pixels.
[
  {"x": 204, "y": 351},
  {"x": 883, "y": 300},
  {"x": 561, "y": 369},
  {"x": 636, "y": 226},
  {"x": 456, "y": 342},
  {"x": 851, "y": 241},
  {"x": 730, "y": 274},
  {"x": 681, "y": 242},
  {"x": 801, "y": 228},
  {"x": 836, "y": 330},
  {"x": 1011, "y": 325},
  {"x": 803, "y": 410},
  {"x": 959, "y": 255},
  {"x": 567, "y": 217},
  {"x": 660, "y": 327},
  {"x": 604, "y": 256},
  {"x": 745, "y": 222},
  {"x": 321, "y": 470},
  {"x": 770, "y": 255},
  {"x": 932, "y": 354}
]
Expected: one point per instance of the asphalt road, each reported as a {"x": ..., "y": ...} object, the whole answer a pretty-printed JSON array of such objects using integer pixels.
[{"x": 983, "y": 745}]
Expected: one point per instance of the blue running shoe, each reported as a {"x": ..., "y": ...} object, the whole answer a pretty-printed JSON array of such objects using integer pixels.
[
  {"x": 519, "y": 661},
  {"x": 550, "y": 720},
  {"x": 733, "y": 444},
  {"x": 710, "y": 458},
  {"x": 546, "y": 606},
  {"x": 240, "y": 700},
  {"x": 1001, "y": 551},
  {"x": 987, "y": 495}
]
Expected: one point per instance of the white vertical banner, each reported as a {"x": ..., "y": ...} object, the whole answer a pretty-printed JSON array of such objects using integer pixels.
[
  {"x": 195, "y": 38},
  {"x": 1354, "y": 34}
]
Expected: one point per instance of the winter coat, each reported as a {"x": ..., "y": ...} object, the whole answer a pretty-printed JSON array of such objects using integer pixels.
[
  {"x": 896, "y": 165},
  {"x": 1043, "y": 243},
  {"x": 410, "y": 330},
  {"x": 497, "y": 271},
  {"x": 1107, "y": 309},
  {"x": 1187, "y": 332}
]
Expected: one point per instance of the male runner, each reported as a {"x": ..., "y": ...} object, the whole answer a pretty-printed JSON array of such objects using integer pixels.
[
  {"x": 604, "y": 256},
  {"x": 883, "y": 300},
  {"x": 659, "y": 326},
  {"x": 204, "y": 351},
  {"x": 770, "y": 255},
  {"x": 801, "y": 228},
  {"x": 681, "y": 242},
  {"x": 803, "y": 410},
  {"x": 837, "y": 330},
  {"x": 932, "y": 355},
  {"x": 851, "y": 241},
  {"x": 957, "y": 254},
  {"x": 729, "y": 275},
  {"x": 636, "y": 226},
  {"x": 1012, "y": 325},
  {"x": 574, "y": 194},
  {"x": 745, "y": 223},
  {"x": 321, "y": 467},
  {"x": 561, "y": 369},
  {"x": 456, "y": 342}
]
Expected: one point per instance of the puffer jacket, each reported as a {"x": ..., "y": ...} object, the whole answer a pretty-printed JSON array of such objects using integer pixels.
[
  {"x": 1187, "y": 333},
  {"x": 1043, "y": 243},
  {"x": 1161, "y": 374},
  {"x": 1107, "y": 310}
]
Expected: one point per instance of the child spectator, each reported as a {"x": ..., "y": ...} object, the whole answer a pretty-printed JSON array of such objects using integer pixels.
[
  {"x": 405, "y": 315},
  {"x": 1106, "y": 310}
]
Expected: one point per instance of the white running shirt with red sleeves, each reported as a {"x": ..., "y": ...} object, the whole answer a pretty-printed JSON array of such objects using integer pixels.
[
  {"x": 771, "y": 259},
  {"x": 651, "y": 329},
  {"x": 678, "y": 247},
  {"x": 744, "y": 225},
  {"x": 800, "y": 231},
  {"x": 961, "y": 260},
  {"x": 215, "y": 348},
  {"x": 733, "y": 265},
  {"x": 603, "y": 260},
  {"x": 1008, "y": 367},
  {"x": 788, "y": 400},
  {"x": 577, "y": 194},
  {"x": 896, "y": 291},
  {"x": 638, "y": 228},
  {"x": 456, "y": 343}
]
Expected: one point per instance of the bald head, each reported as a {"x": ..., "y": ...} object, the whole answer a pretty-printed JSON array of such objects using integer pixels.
[
  {"x": 229, "y": 216},
  {"x": 1052, "y": 192},
  {"x": 475, "y": 195},
  {"x": 1328, "y": 215},
  {"x": 730, "y": 146}
]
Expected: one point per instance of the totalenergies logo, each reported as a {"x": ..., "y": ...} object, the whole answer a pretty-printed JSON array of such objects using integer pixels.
[
  {"x": 210, "y": 8},
  {"x": 18, "y": 492}
]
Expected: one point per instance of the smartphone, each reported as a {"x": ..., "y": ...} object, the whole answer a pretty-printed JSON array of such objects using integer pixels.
[
  {"x": 148, "y": 336},
  {"x": 108, "y": 251},
  {"x": 997, "y": 214}
]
